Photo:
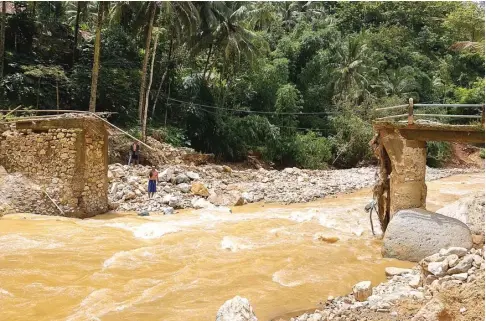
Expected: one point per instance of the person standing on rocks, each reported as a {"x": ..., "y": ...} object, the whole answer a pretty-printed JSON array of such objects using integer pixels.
[
  {"x": 152, "y": 183},
  {"x": 134, "y": 153}
]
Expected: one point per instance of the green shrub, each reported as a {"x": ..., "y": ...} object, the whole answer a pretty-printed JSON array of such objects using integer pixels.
[
  {"x": 312, "y": 151},
  {"x": 135, "y": 132},
  {"x": 170, "y": 135},
  {"x": 438, "y": 153},
  {"x": 481, "y": 153},
  {"x": 351, "y": 142}
]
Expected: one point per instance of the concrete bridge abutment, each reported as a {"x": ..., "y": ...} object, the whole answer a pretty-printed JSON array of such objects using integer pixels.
[{"x": 408, "y": 167}]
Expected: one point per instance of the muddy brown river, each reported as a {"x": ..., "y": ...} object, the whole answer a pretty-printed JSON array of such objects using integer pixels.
[{"x": 184, "y": 266}]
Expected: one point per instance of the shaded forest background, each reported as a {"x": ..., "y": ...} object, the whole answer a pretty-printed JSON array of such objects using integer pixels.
[{"x": 294, "y": 82}]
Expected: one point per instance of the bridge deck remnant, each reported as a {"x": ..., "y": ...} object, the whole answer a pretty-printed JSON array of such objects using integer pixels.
[{"x": 402, "y": 151}]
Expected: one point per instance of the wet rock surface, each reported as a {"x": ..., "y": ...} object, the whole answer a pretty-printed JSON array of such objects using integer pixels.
[
  {"x": 416, "y": 233},
  {"x": 469, "y": 210},
  {"x": 182, "y": 186},
  {"x": 236, "y": 309}
]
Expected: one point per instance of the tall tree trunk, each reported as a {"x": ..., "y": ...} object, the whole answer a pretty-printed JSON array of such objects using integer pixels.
[
  {"x": 38, "y": 91},
  {"x": 167, "y": 104},
  {"x": 96, "y": 62},
  {"x": 145, "y": 62},
  {"x": 76, "y": 31},
  {"x": 147, "y": 94},
  {"x": 207, "y": 60},
  {"x": 57, "y": 93},
  {"x": 162, "y": 80},
  {"x": 2, "y": 38},
  {"x": 34, "y": 6}
]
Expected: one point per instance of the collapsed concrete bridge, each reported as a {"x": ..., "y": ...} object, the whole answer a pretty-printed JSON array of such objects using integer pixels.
[
  {"x": 402, "y": 151},
  {"x": 66, "y": 155}
]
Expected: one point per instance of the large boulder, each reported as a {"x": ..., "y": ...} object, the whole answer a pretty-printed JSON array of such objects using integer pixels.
[
  {"x": 416, "y": 233},
  {"x": 232, "y": 198},
  {"x": 469, "y": 210},
  {"x": 198, "y": 188},
  {"x": 236, "y": 309}
]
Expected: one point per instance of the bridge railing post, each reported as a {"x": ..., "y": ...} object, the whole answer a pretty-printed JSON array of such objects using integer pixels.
[
  {"x": 482, "y": 115},
  {"x": 410, "y": 111}
]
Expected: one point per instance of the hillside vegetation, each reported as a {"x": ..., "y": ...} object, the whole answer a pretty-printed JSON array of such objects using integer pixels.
[{"x": 294, "y": 82}]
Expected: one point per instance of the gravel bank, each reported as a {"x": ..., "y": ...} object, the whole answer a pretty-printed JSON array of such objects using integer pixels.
[{"x": 183, "y": 186}]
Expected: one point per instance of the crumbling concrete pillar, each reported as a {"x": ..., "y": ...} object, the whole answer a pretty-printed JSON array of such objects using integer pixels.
[{"x": 407, "y": 178}]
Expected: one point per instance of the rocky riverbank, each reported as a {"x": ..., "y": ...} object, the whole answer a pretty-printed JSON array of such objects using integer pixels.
[
  {"x": 448, "y": 285},
  {"x": 204, "y": 186},
  {"x": 427, "y": 292}
]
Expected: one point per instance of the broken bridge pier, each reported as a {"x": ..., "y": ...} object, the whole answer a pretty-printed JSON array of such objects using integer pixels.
[
  {"x": 401, "y": 148},
  {"x": 67, "y": 155}
]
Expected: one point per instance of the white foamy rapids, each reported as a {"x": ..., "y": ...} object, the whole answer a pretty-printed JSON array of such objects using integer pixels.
[
  {"x": 95, "y": 305},
  {"x": 303, "y": 216},
  {"x": 129, "y": 259},
  {"x": 282, "y": 277},
  {"x": 11, "y": 243},
  {"x": 147, "y": 230},
  {"x": 234, "y": 244},
  {"x": 4, "y": 293}
]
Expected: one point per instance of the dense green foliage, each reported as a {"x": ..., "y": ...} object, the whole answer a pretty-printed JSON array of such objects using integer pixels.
[
  {"x": 293, "y": 81},
  {"x": 438, "y": 153}
]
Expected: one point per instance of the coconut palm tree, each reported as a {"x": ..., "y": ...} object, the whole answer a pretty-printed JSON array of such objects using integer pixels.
[
  {"x": 152, "y": 7},
  {"x": 225, "y": 27},
  {"x": 182, "y": 19},
  {"x": 400, "y": 83},
  {"x": 352, "y": 69},
  {"x": 96, "y": 60}
]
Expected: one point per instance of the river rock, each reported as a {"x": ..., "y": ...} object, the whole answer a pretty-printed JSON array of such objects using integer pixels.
[
  {"x": 201, "y": 203},
  {"x": 184, "y": 187},
  {"x": 415, "y": 281},
  {"x": 463, "y": 265},
  {"x": 166, "y": 199},
  {"x": 166, "y": 175},
  {"x": 129, "y": 196},
  {"x": 434, "y": 310},
  {"x": 175, "y": 202},
  {"x": 362, "y": 291},
  {"x": 459, "y": 251},
  {"x": 179, "y": 179},
  {"x": 392, "y": 271},
  {"x": 469, "y": 210},
  {"x": 198, "y": 188},
  {"x": 416, "y": 233},
  {"x": 438, "y": 268},
  {"x": 193, "y": 176},
  {"x": 236, "y": 309},
  {"x": 133, "y": 180},
  {"x": 232, "y": 198},
  {"x": 168, "y": 210},
  {"x": 460, "y": 276}
]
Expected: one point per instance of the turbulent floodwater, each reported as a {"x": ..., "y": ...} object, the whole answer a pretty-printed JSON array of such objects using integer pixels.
[{"x": 183, "y": 267}]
